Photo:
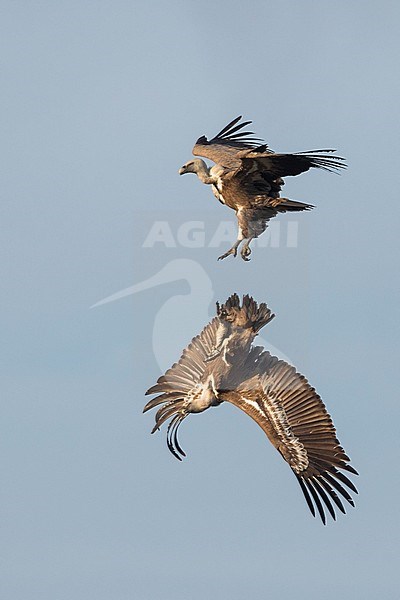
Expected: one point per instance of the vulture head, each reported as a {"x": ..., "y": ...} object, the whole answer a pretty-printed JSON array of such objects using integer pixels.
[{"x": 197, "y": 165}]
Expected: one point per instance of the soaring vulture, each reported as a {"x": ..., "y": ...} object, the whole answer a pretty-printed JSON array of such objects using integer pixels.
[
  {"x": 222, "y": 365},
  {"x": 247, "y": 176}
]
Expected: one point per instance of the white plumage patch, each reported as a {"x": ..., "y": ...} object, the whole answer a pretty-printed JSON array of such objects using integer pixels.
[{"x": 276, "y": 415}]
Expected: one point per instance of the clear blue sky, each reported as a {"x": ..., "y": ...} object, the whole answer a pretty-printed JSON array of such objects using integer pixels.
[{"x": 100, "y": 105}]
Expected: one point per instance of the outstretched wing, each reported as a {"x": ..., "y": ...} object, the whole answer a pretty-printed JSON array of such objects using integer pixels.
[
  {"x": 176, "y": 385},
  {"x": 236, "y": 149},
  {"x": 224, "y": 147},
  {"x": 180, "y": 379},
  {"x": 297, "y": 423}
]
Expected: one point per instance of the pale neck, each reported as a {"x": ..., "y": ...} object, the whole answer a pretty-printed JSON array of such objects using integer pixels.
[{"x": 203, "y": 173}]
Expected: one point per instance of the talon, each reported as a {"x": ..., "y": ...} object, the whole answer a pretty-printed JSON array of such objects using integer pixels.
[
  {"x": 245, "y": 252},
  {"x": 231, "y": 251}
]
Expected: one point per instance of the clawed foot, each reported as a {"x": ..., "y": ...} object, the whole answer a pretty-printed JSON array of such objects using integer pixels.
[
  {"x": 231, "y": 251},
  {"x": 245, "y": 253}
]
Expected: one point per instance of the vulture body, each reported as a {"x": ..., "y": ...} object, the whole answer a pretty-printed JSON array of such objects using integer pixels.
[
  {"x": 222, "y": 365},
  {"x": 248, "y": 177}
]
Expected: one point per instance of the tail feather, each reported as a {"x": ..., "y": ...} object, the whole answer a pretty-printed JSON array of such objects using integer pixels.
[
  {"x": 292, "y": 206},
  {"x": 250, "y": 314}
]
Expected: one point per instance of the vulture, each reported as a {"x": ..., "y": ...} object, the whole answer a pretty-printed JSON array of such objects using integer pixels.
[
  {"x": 248, "y": 177},
  {"x": 222, "y": 365}
]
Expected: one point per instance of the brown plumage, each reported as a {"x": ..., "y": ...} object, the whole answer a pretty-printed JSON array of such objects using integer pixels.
[
  {"x": 221, "y": 365},
  {"x": 247, "y": 177}
]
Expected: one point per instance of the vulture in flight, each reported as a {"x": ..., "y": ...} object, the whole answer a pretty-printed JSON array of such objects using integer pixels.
[
  {"x": 247, "y": 176},
  {"x": 222, "y": 365}
]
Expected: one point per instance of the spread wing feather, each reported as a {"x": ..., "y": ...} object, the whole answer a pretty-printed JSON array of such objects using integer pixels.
[
  {"x": 297, "y": 423},
  {"x": 228, "y": 135},
  {"x": 275, "y": 165},
  {"x": 183, "y": 375},
  {"x": 224, "y": 146},
  {"x": 176, "y": 385}
]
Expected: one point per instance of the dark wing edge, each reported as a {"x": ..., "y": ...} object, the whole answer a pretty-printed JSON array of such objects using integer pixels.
[
  {"x": 297, "y": 423},
  {"x": 320, "y": 160},
  {"x": 243, "y": 139},
  {"x": 286, "y": 165}
]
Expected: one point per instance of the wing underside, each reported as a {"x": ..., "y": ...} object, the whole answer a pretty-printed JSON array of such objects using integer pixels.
[{"x": 297, "y": 423}]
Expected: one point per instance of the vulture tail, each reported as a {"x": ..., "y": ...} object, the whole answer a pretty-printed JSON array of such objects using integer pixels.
[
  {"x": 247, "y": 314},
  {"x": 292, "y": 205}
]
